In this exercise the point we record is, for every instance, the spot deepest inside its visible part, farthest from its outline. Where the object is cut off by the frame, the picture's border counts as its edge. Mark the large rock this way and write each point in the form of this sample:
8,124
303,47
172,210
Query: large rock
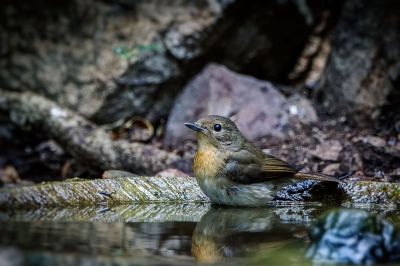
363,70
353,237
109,60
256,106
104,59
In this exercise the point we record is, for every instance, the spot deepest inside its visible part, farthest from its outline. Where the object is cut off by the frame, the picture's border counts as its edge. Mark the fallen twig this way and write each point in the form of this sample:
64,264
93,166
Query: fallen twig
81,138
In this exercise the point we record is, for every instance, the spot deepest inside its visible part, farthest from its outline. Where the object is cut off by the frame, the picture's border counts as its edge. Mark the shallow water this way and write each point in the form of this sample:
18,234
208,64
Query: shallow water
159,234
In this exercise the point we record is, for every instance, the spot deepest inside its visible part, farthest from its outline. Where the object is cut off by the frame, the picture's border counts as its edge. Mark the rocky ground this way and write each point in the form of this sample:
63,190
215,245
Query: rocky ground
307,81
286,126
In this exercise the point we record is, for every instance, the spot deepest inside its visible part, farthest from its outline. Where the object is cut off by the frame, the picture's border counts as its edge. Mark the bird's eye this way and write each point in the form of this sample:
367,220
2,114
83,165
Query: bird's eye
217,127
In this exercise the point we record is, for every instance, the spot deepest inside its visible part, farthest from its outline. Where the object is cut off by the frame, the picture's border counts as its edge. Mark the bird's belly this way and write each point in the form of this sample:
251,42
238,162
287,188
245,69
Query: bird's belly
225,192
207,167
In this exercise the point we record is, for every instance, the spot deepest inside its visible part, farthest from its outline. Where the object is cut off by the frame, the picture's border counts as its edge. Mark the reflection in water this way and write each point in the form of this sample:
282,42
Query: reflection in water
86,237
158,235
240,232
189,212
146,233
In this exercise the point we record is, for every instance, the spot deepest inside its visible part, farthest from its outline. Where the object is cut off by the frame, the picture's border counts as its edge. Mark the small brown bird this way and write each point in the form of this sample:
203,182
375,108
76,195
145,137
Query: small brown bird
232,171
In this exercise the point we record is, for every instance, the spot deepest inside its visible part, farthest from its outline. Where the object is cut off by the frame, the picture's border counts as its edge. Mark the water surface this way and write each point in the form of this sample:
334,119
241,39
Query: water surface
159,234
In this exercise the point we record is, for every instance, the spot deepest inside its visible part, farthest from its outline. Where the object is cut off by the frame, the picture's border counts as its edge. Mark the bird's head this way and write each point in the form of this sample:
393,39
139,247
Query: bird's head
219,131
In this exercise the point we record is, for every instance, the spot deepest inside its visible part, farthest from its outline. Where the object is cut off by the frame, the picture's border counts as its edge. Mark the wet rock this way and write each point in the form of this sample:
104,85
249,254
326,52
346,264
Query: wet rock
256,106
372,192
328,150
345,192
353,237
312,191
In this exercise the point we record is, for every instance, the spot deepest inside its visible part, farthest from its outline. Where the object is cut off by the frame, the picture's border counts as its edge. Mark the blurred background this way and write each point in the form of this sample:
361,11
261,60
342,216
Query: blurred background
313,82
88,86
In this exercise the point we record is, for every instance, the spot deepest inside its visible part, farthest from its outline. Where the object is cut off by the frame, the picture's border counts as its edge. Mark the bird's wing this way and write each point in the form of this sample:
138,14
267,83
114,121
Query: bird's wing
252,165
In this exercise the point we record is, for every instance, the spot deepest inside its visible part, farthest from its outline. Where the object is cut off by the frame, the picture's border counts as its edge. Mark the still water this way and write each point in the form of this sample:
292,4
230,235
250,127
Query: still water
185,234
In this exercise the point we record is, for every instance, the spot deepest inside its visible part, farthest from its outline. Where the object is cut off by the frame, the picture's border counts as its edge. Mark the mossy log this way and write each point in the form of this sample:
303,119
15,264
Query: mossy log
81,138
148,190
123,190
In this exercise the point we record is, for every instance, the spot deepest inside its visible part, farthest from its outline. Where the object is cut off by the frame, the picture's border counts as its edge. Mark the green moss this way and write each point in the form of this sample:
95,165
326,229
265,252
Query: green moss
393,191
372,192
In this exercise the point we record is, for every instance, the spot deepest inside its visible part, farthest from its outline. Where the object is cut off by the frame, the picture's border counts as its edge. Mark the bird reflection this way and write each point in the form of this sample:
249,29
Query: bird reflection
238,232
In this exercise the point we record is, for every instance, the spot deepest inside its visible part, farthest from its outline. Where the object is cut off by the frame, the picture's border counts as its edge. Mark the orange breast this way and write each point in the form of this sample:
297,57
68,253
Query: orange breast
207,163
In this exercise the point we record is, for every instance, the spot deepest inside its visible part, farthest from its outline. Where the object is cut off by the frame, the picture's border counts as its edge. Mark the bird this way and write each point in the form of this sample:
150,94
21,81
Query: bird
233,171
223,233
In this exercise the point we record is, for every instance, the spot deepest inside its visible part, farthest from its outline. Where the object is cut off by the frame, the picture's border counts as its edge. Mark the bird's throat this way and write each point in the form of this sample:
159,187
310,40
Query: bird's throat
208,161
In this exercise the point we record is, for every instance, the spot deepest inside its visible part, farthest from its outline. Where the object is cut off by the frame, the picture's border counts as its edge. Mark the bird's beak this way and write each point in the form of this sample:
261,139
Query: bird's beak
195,127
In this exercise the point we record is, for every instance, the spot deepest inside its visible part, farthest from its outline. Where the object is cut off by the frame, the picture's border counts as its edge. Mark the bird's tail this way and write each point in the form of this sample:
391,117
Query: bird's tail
315,176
